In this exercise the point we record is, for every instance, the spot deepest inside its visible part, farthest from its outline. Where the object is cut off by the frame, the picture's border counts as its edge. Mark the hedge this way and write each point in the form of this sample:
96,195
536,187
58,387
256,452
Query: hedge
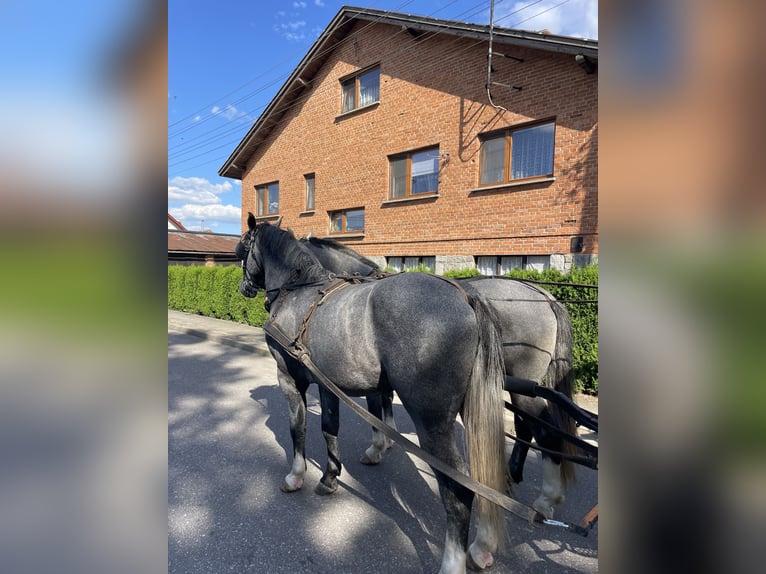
213,291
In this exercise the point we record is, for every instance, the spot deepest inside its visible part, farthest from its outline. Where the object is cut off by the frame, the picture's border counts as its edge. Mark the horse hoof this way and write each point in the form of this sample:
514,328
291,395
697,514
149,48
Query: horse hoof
545,510
291,484
369,461
323,490
472,565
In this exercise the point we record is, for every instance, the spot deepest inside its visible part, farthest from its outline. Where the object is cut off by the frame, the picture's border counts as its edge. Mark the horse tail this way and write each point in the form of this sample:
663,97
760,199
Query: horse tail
483,413
560,376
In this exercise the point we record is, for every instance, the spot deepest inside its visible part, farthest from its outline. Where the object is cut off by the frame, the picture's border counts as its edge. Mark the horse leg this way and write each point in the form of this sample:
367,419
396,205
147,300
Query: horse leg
379,405
388,414
553,487
520,450
330,425
296,401
457,500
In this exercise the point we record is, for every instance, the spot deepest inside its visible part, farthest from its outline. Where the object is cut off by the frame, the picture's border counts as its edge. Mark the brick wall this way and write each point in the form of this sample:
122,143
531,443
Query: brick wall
432,93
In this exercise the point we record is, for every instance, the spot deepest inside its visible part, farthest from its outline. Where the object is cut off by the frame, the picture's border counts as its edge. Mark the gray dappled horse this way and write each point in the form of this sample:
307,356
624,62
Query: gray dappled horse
436,345
537,345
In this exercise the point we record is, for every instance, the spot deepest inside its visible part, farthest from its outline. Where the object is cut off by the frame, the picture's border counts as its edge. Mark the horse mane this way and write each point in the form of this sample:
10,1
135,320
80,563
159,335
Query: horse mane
338,246
283,241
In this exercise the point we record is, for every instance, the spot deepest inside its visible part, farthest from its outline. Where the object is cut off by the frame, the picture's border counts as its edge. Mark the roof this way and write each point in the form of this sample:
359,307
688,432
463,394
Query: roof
199,242
175,223
338,29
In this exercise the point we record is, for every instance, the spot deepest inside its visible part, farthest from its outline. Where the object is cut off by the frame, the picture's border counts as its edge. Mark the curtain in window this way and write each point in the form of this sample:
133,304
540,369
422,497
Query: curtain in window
395,263
349,95
493,160
274,198
411,262
538,262
510,262
398,178
309,192
425,171
486,265
336,223
369,87
260,195
429,262
532,151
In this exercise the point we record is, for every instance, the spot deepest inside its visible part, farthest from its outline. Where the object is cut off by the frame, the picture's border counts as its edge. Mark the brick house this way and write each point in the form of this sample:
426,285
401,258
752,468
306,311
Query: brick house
386,137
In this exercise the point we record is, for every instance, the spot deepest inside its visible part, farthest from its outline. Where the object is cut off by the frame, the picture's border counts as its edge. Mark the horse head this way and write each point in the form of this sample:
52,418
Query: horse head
253,276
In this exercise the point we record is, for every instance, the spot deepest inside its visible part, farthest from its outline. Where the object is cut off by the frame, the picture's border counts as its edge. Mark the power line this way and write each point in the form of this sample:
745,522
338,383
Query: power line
208,139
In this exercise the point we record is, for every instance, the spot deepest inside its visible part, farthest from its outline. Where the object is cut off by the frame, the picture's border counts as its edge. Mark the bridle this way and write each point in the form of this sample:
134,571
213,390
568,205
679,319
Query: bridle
243,253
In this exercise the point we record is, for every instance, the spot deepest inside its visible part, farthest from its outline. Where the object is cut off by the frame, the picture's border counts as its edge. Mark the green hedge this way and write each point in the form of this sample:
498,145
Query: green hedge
213,292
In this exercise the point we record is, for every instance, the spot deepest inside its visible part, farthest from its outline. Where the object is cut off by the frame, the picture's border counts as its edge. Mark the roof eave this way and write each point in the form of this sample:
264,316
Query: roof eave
234,166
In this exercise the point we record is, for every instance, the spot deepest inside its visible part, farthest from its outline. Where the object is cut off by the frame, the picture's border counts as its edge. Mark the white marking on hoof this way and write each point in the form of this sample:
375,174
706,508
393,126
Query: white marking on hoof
552,492
291,483
481,562
371,456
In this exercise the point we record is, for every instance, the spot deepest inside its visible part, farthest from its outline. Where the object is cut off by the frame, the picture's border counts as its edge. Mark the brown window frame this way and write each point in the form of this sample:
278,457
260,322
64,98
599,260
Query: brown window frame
343,212
262,207
310,192
507,135
408,173
355,78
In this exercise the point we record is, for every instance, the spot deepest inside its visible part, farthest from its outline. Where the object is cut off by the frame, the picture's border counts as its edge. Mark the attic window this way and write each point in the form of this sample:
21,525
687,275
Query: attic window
360,90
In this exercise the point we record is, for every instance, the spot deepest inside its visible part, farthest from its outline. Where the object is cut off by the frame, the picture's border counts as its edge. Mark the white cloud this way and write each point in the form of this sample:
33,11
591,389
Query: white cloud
577,18
319,3
294,25
214,215
299,4
196,190
230,112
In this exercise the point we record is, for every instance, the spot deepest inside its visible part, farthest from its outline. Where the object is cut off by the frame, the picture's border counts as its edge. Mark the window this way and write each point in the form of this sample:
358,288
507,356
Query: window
347,221
360,90
502,264
414,173
517,154
410,263
310,185
267,199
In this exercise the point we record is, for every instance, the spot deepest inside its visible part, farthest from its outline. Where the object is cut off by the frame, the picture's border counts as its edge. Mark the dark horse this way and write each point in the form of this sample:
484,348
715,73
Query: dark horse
537,345
436,345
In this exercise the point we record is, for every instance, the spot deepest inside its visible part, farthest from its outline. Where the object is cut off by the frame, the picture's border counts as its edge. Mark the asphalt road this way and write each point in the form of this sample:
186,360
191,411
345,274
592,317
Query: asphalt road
228,450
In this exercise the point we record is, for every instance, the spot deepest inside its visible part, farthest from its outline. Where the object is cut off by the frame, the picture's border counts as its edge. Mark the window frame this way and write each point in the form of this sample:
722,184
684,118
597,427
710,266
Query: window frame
310,192
344,221
525,263
356,79
408,174
507,135
404,266
262,209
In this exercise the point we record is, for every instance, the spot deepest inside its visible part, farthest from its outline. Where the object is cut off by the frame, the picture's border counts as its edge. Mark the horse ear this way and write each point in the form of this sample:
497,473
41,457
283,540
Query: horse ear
279,221
250,221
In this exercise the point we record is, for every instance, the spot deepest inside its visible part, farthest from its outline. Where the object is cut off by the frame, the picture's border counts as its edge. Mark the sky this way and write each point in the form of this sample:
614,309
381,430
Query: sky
228,58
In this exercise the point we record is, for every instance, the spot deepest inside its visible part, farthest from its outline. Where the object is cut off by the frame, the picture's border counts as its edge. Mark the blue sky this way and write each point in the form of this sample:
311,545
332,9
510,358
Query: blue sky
228,58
